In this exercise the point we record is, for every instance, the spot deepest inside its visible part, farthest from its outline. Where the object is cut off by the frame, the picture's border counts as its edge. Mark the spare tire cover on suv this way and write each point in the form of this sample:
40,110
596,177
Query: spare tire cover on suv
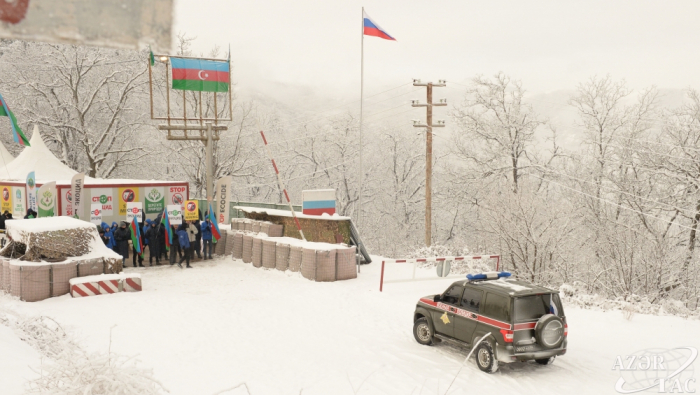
549,331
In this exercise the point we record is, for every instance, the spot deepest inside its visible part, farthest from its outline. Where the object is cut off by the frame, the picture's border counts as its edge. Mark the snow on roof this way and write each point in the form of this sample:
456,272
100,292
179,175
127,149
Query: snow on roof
39,158
285,213
508,284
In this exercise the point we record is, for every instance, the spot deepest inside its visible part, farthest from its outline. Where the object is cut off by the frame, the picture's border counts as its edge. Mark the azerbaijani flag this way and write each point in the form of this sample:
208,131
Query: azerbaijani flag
371,28
165,221
17,134
214,224
200,75
136,236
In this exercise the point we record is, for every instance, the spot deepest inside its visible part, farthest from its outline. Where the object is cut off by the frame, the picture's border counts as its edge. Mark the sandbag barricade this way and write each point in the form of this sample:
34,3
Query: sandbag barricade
220,246
282,256
256,226
269,255
247,255
257,252
229,242
6,278
265,227
295,253
105,284
276,230
237,245
31,283
346,263
62,273
308,263
248,226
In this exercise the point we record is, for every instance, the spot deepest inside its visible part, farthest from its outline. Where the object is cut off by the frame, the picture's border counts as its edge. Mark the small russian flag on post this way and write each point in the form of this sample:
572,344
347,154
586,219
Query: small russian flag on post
371,28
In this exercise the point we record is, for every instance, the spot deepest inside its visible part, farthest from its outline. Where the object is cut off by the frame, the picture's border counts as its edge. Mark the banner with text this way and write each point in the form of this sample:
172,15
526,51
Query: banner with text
19,208
222,206
76,187
175,214
103,196
191,210
127,195
155,200
96,213
133,209
47,200
6,201
31,191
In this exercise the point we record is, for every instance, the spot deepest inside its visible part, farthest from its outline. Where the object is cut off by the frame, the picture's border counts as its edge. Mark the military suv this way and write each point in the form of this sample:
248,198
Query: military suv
518,321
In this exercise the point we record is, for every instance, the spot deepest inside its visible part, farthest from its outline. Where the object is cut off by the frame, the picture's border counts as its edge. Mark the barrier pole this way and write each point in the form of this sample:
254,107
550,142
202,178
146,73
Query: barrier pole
381,279
498,262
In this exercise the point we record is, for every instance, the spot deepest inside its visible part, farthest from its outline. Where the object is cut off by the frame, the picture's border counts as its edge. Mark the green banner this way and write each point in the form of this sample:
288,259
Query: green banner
155,200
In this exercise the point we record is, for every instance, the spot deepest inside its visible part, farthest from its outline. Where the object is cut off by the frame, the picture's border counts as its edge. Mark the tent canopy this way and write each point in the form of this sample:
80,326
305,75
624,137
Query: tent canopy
38,158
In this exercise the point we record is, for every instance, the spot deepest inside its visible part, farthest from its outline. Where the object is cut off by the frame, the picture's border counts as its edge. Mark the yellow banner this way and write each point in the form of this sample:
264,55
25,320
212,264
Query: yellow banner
127,195
191,210
6,201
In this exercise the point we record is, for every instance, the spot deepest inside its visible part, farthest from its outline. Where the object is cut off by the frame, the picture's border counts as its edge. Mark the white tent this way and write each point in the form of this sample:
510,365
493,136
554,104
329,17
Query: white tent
5,159
37,157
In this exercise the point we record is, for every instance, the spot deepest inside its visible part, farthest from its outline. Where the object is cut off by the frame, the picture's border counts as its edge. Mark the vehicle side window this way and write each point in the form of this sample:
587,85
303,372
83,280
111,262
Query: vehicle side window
497,307
453,295
471,300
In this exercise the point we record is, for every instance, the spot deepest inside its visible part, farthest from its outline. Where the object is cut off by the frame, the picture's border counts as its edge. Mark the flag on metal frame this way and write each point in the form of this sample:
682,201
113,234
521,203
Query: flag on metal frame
214,224
17,133
165,221
136,240
200,75
371,28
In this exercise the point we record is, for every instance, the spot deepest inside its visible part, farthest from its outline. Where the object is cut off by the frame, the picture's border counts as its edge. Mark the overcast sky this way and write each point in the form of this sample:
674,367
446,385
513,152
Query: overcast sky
549,45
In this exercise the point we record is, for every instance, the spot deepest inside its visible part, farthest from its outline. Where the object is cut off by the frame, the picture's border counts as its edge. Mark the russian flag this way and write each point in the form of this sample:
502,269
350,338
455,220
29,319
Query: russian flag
371,28
214,224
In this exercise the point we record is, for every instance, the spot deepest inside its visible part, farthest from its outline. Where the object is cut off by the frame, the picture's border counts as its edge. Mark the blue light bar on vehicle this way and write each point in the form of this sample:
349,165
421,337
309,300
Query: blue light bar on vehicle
487,276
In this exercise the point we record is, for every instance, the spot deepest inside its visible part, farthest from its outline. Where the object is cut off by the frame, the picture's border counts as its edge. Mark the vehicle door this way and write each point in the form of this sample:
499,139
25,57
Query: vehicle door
466,317
444,315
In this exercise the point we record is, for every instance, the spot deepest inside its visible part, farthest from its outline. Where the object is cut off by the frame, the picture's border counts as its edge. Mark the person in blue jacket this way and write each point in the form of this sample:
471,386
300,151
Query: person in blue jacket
206,236
109,235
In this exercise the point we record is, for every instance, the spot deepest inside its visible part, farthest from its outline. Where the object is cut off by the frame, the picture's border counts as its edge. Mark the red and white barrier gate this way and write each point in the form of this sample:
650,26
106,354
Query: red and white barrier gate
416,261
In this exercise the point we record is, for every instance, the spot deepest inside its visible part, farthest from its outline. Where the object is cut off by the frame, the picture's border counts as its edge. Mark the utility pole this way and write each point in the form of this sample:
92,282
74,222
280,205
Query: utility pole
429,148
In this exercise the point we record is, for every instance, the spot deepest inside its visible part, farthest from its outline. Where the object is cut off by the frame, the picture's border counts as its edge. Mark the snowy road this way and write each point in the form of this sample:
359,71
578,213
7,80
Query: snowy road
223,323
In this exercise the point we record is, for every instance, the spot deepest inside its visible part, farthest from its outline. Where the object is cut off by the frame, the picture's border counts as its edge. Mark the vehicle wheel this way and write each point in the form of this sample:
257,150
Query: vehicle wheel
422,332
485,359
546,361
549,331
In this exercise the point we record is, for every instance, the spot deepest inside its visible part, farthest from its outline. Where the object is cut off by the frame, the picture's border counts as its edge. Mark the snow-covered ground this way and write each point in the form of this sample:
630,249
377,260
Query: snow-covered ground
223,323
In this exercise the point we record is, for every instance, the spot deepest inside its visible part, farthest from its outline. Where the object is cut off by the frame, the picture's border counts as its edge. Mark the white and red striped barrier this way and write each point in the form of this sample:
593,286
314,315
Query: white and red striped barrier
105,284
416,261
132,284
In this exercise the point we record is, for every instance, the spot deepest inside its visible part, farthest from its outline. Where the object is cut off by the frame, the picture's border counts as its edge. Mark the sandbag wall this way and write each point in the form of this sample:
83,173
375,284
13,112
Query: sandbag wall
315,261
249,225
35,281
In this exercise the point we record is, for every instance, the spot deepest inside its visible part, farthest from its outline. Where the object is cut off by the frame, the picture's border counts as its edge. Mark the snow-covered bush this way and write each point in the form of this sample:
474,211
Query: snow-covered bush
68,369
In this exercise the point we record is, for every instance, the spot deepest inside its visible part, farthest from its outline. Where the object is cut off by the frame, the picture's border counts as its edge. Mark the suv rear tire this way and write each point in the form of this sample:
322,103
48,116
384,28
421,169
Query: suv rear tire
422,332
485,359
549,331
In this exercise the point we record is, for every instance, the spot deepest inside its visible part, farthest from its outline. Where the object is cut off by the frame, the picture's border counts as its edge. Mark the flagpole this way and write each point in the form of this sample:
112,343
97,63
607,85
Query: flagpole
362,93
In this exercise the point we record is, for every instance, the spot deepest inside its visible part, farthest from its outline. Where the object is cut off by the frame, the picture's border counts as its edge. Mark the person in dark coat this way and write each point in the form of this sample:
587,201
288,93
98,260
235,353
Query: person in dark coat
198,240
104,238
154,240
175,250
162,246
206,237
30,214
2,220
190,231
136,254
122,237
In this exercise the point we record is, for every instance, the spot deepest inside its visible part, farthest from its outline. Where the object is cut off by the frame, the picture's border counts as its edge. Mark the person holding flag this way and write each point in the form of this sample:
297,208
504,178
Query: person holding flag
136,241
121,237
168,239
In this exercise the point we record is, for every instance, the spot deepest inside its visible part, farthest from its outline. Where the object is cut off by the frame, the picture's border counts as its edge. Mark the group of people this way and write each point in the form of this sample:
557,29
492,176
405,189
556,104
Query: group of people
5,216
186,241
